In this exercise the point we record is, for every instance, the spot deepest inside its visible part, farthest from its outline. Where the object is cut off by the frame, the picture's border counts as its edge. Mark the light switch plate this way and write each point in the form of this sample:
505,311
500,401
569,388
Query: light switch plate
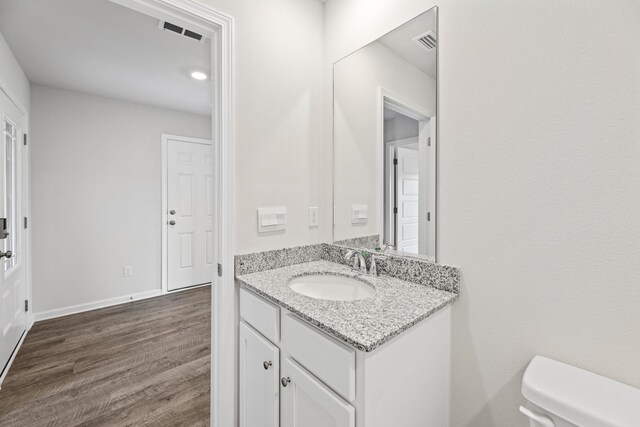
314,216
272,219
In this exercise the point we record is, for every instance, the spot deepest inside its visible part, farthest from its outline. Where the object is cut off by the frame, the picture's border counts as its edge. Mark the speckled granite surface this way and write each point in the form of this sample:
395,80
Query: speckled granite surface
365,324
260,261
369,242
411,269
421,271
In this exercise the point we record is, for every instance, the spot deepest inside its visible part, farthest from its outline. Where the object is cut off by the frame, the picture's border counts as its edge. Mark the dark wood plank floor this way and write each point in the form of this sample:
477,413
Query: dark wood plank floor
139,364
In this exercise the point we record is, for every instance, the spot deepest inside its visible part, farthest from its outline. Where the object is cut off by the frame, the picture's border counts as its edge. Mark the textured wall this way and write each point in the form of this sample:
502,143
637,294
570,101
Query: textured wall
278,113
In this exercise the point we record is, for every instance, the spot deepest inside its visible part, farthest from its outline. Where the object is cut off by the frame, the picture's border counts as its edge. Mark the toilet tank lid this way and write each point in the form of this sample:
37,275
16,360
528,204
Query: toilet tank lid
580,397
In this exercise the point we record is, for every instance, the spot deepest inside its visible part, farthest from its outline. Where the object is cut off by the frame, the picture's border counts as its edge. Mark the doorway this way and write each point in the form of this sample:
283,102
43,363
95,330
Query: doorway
407,138
402,192
217,28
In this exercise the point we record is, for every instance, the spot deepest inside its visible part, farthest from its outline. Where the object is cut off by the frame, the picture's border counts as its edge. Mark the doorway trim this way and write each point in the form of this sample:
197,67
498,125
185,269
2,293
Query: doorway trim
399,104
219,27
164,262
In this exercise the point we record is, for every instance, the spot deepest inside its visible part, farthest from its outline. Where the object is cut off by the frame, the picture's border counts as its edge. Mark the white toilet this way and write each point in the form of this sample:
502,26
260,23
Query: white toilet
561,395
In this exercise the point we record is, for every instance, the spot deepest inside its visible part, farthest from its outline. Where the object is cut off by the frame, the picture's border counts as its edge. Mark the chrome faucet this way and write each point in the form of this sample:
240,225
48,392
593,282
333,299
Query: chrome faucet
387,246
359,264
373,268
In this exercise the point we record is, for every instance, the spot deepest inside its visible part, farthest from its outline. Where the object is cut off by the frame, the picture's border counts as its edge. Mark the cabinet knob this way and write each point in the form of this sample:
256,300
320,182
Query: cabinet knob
172,222
266,364
284,381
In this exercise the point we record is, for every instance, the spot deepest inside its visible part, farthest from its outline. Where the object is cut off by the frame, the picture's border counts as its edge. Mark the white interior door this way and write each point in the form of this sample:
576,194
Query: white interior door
306,402
190,213
13,289
407,195
259,380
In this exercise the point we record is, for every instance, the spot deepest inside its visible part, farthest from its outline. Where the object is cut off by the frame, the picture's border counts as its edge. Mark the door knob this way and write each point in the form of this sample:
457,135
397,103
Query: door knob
284,381
266,364
172,222
172,211
7,254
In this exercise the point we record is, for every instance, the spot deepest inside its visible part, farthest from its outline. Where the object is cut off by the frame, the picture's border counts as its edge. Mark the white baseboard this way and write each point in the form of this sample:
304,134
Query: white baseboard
65,311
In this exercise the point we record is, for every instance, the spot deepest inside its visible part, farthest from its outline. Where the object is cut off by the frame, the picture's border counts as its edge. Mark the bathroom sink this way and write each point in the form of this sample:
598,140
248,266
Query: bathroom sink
332,287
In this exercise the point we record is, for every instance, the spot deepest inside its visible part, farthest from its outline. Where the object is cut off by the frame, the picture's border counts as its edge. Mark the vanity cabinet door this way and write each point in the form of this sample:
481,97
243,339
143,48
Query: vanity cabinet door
259,376
306,402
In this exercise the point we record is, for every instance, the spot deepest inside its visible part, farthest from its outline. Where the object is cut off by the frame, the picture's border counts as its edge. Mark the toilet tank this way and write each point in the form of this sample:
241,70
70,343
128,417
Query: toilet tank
563,395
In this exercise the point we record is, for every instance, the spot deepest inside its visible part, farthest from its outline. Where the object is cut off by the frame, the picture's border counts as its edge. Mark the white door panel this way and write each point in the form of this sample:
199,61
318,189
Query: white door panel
189,197
407,194
410,165
306,402
13,291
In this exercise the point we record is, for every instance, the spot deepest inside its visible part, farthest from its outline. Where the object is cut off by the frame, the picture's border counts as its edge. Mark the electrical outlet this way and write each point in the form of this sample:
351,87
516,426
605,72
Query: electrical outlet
314,216
127,271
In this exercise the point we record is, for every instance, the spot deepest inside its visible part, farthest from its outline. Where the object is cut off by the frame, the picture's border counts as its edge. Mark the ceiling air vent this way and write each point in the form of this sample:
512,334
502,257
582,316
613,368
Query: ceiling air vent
426,41
182,31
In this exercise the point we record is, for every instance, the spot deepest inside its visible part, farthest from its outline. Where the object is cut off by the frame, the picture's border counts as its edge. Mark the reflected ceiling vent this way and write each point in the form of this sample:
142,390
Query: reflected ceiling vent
182,31
426,41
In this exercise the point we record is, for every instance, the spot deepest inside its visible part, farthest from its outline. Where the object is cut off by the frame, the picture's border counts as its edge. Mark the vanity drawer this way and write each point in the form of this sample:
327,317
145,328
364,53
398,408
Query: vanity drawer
260,314
329,360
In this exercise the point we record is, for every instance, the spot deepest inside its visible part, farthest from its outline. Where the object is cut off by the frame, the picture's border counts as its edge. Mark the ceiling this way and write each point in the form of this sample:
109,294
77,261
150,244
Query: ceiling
401,42
99,47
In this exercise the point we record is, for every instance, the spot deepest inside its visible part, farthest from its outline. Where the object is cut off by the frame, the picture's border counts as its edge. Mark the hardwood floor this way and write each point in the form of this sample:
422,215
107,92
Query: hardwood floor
145,363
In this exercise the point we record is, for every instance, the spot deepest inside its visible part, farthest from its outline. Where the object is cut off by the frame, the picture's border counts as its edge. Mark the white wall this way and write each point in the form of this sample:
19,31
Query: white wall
96,180
400,128
539,184
278,113
12,78
358,157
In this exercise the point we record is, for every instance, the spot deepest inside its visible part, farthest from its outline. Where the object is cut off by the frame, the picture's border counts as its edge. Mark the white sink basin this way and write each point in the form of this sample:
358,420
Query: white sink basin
332,287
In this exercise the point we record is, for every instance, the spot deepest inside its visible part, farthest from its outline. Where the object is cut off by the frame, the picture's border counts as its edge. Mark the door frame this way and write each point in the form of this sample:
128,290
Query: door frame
25,209
164,263
399,104
219,27
389,188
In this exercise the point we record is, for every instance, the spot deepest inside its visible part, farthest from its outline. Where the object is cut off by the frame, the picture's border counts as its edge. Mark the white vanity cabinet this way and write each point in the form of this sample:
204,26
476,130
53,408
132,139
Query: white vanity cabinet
306,402
259,375
313,380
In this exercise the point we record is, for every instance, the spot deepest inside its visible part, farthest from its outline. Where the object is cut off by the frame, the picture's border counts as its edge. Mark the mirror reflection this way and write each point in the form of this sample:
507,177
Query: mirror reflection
385,142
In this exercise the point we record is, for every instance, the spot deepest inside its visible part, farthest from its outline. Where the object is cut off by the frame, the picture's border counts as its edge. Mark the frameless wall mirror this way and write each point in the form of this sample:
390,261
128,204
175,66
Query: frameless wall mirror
385,155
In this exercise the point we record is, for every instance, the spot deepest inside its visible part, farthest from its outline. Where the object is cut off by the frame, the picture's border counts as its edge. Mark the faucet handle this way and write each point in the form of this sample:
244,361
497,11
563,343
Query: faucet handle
356,258
350,253
387,246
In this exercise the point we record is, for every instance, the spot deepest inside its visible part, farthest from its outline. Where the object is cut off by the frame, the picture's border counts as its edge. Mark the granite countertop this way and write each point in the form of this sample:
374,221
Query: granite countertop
365,324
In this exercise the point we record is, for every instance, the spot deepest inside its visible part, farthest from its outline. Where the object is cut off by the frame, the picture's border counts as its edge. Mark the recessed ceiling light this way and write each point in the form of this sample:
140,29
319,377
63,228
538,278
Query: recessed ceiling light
199,75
